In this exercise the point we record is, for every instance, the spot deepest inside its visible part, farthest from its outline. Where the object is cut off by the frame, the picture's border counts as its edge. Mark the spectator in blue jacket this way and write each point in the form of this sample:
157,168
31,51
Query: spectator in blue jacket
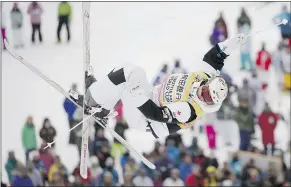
70,109
185,167
285,29
21,177
235,165
109,167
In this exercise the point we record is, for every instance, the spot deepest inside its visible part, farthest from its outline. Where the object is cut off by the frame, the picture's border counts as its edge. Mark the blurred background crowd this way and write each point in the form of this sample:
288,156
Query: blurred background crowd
245,111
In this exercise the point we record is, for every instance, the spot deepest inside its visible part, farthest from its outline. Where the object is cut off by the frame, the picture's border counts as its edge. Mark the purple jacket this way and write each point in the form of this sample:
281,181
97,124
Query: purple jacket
35,11
217,36
46,158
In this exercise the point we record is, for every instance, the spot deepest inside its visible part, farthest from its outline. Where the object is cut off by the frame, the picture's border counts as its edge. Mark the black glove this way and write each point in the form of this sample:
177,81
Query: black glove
215,57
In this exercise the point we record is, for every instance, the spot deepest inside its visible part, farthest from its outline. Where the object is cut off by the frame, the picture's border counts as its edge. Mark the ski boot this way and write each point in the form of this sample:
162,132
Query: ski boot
89,77
98,111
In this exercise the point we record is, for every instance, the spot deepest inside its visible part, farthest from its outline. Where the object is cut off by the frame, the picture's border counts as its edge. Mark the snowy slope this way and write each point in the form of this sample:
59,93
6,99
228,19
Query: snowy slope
142,33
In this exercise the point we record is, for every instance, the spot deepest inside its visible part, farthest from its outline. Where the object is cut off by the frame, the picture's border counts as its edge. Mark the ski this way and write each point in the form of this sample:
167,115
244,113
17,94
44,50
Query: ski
102,123
86,63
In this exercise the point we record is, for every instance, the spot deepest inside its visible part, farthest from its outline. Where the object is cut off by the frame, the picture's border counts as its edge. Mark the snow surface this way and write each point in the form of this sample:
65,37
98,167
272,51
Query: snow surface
142,33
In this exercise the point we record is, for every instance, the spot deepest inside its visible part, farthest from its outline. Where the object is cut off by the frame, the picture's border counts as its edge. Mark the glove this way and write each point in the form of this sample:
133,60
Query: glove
167,114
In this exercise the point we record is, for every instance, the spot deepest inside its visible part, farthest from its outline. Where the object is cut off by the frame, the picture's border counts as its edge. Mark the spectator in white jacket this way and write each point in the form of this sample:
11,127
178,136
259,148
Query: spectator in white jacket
16,24
174,179
142,179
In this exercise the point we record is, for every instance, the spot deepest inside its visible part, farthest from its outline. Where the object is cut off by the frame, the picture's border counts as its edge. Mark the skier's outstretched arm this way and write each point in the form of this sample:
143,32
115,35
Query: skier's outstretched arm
217,54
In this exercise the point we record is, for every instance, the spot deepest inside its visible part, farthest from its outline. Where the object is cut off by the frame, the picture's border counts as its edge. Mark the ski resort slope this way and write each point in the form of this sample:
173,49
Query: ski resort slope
145,34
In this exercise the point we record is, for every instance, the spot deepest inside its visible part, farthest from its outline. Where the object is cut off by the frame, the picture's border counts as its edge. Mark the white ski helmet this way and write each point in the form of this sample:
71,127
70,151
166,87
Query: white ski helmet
218,89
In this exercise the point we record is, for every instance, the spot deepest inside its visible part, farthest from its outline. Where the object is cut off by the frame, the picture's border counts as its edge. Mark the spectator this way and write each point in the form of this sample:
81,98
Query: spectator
76,173
185,167
64,174
95,170
251,175
99,141
141,179
195,179
162,75
211,178
57,179
235,165
131,166
3,28
177,67
212,161
29,136
38,164
107,179
35,12
194,149
243,19
268,121
10,165
21,177
221,21
174,179
201,160
285,62
47,132
78,182
245,121
285,29
271,176
103,155
17,21
225,172
109,163
34,174
244,26
120,128
71,110
218,34
246,93
46,157
164,164
157,179
173,151
127,180
54,168
157,147
177,138
64,15
257,87
263,62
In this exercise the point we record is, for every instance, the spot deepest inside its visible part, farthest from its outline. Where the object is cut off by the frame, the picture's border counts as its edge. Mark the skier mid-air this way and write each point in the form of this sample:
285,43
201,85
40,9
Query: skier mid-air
175,104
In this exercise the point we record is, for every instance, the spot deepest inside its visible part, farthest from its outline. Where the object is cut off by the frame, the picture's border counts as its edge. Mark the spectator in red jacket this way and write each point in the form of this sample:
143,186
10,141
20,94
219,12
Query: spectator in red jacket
195,178
264,58
268,121
263,62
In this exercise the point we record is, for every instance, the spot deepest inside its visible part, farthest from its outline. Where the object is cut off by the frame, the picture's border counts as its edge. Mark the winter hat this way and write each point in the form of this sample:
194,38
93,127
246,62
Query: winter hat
210,169
109,162
94,160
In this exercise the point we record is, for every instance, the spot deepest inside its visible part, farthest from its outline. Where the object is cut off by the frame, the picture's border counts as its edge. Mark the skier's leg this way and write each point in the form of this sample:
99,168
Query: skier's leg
108,91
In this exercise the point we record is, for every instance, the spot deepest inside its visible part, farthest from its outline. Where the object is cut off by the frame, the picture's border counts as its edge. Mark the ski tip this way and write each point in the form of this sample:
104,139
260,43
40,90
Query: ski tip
83,175
148,163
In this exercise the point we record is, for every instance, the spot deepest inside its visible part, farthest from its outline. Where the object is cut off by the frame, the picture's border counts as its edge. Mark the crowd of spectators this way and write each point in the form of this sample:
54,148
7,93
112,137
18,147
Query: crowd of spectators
34,11
176,163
